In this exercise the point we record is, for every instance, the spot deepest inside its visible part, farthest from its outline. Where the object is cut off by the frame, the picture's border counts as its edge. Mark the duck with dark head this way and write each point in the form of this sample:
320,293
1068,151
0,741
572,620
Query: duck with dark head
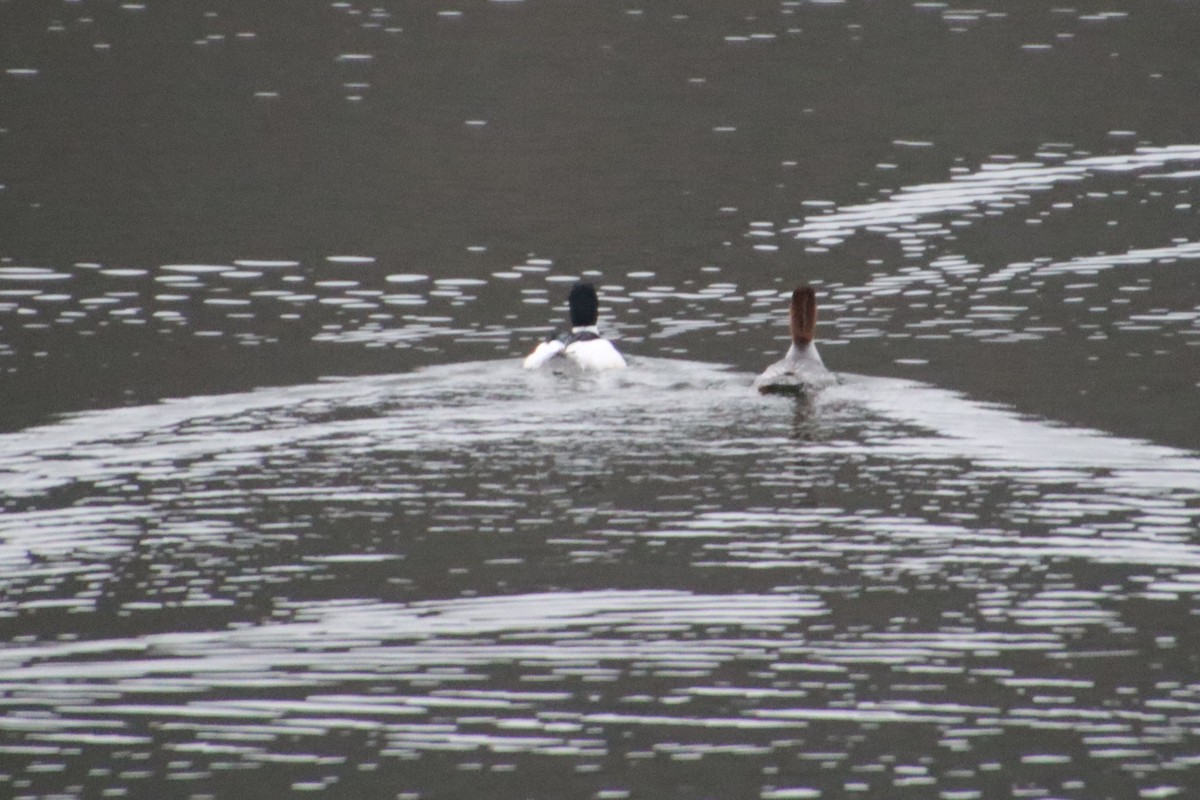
583,345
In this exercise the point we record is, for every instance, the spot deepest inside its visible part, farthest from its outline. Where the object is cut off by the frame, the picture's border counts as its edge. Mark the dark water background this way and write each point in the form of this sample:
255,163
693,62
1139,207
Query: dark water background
282,515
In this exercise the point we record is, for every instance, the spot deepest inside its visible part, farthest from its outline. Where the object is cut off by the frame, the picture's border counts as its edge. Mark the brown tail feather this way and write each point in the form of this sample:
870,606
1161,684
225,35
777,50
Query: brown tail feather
804,315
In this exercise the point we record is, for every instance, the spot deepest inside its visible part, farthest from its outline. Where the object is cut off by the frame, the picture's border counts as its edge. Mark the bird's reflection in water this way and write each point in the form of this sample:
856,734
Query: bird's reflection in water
807,411
807,419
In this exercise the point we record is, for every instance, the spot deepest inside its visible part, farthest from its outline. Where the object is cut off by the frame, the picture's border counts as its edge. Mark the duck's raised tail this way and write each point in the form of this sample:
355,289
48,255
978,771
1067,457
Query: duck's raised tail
803,315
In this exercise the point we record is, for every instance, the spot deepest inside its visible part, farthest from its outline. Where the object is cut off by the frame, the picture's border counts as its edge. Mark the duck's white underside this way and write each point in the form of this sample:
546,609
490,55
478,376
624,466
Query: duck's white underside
592,355
800,368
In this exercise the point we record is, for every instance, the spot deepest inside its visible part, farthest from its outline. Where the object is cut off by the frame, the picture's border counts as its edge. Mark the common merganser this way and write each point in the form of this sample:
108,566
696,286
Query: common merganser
583,345
800,371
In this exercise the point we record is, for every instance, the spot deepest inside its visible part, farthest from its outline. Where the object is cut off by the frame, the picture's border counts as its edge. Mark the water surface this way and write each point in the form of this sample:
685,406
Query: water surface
279,508
678,588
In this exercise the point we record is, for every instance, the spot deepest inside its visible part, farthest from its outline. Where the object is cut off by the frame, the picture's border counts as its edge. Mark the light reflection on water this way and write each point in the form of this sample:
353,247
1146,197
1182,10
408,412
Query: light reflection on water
938,293
895,589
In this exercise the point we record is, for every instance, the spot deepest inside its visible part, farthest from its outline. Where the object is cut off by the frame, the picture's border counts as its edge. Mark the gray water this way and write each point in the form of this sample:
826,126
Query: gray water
282,515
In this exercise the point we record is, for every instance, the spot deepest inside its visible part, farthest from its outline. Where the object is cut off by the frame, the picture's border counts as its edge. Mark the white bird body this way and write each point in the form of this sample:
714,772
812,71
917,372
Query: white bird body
801,370
583,347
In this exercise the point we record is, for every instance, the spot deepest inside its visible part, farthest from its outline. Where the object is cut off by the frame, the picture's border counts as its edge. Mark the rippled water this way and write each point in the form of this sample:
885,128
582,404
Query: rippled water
679,587
280,508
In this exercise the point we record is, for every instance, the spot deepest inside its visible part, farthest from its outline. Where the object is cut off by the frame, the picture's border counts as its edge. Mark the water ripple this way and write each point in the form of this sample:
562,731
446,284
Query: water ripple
867,563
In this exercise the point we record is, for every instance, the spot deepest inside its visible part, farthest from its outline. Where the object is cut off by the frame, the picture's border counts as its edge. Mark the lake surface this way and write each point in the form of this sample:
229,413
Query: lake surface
281,512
